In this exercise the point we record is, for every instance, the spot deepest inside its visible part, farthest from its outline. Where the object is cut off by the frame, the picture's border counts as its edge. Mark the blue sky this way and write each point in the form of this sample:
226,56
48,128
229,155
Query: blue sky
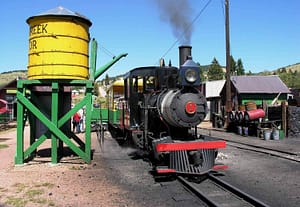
264,34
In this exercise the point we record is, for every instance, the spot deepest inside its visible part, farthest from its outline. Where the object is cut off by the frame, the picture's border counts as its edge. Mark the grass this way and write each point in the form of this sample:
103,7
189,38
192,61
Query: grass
2,146
33,193
47,185
19,187
15,201
38,200
33,196
27,195
80,167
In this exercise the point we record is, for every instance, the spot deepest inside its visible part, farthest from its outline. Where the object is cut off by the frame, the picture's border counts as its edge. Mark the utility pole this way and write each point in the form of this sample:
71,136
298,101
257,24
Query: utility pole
228,82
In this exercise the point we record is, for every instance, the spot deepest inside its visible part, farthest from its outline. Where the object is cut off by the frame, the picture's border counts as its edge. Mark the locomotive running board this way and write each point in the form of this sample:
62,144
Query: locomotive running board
165,169
168,147
220,167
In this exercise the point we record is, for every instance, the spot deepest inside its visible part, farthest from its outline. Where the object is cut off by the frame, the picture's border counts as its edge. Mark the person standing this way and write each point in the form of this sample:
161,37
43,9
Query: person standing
76,120
81,121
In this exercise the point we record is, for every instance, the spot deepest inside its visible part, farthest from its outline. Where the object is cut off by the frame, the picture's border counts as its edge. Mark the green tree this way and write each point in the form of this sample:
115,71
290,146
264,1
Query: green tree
215,71
297,80
290,78
233,67
294,79
239,67
249,73
282,70
202,76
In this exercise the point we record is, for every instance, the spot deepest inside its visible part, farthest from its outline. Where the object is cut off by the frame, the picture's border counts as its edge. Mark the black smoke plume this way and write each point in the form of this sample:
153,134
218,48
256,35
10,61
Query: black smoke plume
178,14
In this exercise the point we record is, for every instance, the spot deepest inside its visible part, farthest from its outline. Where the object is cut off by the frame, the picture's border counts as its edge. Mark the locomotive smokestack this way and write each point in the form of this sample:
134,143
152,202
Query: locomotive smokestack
185,52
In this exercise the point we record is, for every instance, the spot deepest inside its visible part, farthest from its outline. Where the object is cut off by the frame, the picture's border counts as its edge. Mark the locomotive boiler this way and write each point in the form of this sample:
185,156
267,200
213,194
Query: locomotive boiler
158,109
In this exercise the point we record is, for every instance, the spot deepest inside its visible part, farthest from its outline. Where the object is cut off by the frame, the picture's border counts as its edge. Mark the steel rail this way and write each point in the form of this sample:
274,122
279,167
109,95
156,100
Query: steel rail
276,153
197,192
261,147
292,156
226,186
237,192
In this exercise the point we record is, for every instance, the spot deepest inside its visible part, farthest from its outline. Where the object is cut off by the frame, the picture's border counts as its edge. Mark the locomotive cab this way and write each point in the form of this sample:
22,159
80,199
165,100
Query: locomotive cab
141,82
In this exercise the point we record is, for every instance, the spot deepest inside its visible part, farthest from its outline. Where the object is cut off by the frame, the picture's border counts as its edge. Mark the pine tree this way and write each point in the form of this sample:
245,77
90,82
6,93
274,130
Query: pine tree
233,68
239,67
249,73
215,71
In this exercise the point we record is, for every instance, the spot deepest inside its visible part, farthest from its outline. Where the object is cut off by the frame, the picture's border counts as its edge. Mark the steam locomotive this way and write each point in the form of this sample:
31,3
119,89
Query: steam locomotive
158,110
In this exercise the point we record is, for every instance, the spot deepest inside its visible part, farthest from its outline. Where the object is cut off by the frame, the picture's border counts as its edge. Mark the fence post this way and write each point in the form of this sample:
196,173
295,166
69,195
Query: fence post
284,117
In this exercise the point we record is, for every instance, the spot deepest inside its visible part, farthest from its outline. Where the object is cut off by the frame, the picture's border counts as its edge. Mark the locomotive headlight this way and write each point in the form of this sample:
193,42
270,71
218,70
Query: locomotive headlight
190,75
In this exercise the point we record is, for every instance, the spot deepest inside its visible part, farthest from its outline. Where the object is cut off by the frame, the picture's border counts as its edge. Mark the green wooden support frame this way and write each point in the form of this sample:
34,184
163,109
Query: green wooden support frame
27,104
54,124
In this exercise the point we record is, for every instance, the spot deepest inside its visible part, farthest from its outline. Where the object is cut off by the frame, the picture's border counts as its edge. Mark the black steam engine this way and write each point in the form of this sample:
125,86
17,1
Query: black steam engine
161,109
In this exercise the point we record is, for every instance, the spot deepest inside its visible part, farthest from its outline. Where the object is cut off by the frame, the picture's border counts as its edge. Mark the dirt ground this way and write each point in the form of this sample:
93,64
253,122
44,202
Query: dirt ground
115,180
267,178
69,183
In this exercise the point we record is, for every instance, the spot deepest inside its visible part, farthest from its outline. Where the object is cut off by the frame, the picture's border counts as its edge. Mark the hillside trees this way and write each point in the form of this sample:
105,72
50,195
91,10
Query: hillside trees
240,67
236,68
215,71
289,77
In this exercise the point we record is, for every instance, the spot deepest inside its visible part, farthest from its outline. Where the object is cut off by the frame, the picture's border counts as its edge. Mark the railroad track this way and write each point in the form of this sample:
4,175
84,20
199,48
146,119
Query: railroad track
216,192
277,153
260,149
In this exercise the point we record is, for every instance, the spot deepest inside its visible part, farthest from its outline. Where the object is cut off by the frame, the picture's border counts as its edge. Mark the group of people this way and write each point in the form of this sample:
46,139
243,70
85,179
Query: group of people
78,122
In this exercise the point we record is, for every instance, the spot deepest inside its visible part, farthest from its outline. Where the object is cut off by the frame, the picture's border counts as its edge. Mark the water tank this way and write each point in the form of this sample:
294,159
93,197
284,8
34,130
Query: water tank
58,45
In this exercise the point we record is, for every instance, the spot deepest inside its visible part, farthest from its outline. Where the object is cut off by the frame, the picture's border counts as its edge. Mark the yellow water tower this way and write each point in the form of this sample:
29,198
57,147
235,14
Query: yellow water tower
58,45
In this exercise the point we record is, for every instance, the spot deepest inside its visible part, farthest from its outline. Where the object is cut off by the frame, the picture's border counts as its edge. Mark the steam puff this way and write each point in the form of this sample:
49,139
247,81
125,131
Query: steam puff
178,14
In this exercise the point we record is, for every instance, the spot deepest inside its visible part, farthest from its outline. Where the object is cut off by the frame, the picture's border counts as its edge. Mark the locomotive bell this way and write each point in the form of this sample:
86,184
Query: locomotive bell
189,74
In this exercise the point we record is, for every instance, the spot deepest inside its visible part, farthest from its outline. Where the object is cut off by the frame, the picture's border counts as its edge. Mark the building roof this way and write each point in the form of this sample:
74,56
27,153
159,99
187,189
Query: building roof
213,88
259,84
